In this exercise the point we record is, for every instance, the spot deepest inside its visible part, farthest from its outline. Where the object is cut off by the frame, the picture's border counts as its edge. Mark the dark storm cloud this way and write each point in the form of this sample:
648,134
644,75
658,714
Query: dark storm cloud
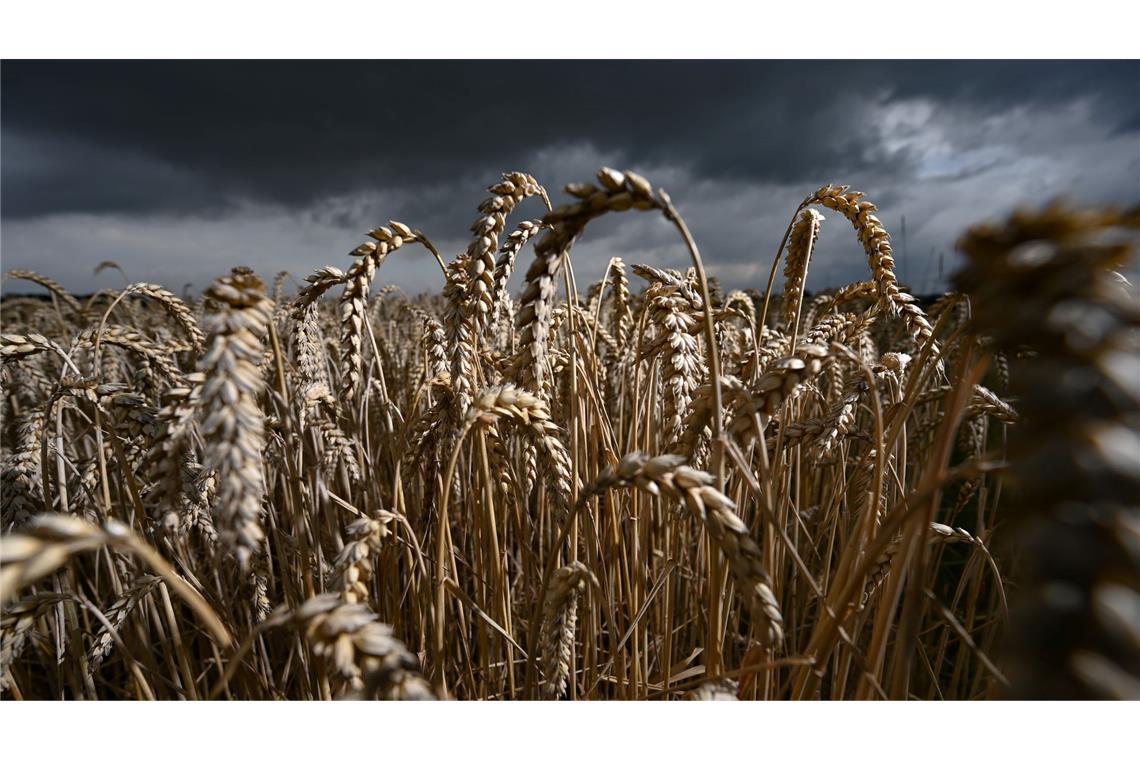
176,168
194,136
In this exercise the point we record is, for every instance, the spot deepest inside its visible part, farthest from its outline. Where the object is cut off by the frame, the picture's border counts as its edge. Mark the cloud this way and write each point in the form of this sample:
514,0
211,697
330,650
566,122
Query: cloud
48,173
178,170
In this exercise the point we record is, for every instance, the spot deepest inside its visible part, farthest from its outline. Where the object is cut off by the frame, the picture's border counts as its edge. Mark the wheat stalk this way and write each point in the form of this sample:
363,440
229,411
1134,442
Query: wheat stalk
174,306
876,243
561,617
804,233
363,651
354,299
229,412
1077,505
618,192
505,264
54,539
531,413
717,512
480,255
57,290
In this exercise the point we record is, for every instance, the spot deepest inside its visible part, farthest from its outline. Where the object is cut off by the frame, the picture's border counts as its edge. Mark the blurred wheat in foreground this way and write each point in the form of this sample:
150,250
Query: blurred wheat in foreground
640,488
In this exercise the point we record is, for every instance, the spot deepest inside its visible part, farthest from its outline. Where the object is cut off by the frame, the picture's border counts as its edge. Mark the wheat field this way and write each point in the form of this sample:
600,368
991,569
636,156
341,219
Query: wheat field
641,488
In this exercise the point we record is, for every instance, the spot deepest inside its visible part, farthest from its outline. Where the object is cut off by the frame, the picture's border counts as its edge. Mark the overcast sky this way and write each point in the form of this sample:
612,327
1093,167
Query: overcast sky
180,170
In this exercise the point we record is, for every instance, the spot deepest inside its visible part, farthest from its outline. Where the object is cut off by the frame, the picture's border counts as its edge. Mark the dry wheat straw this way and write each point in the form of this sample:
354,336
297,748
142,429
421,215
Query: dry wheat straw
718,514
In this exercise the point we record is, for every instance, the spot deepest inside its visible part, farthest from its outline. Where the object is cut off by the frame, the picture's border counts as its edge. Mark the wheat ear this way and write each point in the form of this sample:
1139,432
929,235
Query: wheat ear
51,285
668,473
229,412
801,242
1043,281
877,245
561,618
